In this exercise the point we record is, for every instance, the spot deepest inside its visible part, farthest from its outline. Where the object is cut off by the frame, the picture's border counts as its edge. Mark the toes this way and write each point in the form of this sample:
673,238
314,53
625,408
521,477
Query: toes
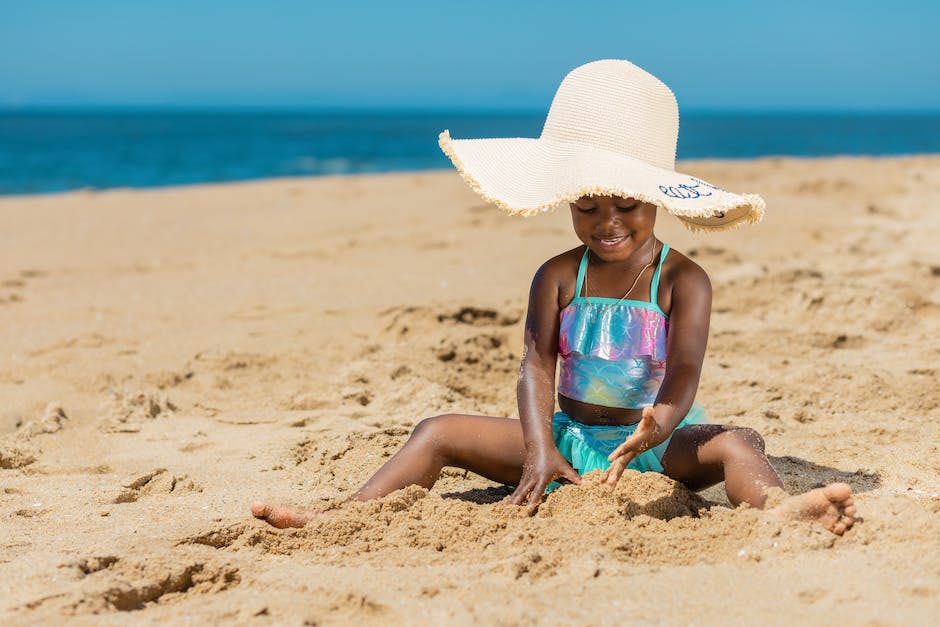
831,506
279,517
838,492
260,510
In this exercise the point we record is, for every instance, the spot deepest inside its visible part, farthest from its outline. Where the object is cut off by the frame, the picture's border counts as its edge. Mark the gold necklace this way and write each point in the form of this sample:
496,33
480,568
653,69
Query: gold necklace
635,281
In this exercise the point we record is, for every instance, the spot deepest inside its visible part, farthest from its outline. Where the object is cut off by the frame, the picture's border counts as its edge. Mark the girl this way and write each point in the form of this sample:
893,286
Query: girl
626,316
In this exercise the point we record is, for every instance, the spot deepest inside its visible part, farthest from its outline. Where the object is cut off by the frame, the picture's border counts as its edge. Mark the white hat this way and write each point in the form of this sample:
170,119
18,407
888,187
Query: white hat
611,131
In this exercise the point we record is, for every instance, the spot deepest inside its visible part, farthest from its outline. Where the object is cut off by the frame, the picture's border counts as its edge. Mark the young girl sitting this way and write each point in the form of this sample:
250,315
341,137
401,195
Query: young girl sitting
626,316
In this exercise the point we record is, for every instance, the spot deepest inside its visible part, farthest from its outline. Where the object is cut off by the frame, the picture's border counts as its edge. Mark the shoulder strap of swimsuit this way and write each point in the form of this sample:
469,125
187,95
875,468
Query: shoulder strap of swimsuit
581,270
654,286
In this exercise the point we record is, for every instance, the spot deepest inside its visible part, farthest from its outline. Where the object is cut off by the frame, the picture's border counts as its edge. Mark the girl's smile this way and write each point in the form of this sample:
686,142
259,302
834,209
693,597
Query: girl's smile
612,243
614,228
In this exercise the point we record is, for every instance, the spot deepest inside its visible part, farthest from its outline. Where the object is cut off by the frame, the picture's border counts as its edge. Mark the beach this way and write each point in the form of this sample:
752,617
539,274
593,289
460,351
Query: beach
171,354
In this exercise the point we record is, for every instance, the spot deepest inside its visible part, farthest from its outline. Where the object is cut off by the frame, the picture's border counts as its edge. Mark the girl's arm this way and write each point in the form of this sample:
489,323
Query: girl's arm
535,391
685,350
689,318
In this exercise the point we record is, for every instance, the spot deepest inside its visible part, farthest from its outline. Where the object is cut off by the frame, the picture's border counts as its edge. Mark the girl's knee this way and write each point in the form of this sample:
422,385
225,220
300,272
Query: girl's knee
436,436
434,427
750,437
744,437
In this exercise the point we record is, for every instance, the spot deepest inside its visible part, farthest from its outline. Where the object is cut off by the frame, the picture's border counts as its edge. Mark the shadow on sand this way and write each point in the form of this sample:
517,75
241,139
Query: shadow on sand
481,496
798,475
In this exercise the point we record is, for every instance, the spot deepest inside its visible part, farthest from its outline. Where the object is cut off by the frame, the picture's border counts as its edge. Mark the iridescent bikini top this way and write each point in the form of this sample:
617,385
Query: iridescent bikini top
613,352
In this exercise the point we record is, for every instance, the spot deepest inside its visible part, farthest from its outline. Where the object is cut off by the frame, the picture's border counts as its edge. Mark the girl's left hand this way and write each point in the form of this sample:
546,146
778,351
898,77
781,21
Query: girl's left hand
641,440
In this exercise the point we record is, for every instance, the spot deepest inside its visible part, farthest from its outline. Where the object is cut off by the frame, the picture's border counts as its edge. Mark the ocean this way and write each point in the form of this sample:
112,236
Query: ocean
43,152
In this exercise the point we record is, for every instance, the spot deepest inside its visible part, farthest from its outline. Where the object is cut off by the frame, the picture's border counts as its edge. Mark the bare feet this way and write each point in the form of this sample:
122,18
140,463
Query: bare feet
280,516
831,506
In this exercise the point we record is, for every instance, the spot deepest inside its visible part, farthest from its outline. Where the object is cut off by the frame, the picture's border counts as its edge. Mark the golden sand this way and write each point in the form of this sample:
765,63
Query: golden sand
169,355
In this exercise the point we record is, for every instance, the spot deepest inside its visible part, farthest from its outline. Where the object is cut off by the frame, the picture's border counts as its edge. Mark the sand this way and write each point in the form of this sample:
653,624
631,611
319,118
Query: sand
169,355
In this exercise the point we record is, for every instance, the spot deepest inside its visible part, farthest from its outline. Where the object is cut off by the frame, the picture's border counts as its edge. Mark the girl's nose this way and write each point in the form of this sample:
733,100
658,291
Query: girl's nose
611,216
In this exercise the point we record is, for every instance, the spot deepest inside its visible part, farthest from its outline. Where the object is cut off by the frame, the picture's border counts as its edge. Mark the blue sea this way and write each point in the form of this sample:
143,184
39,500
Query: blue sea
57,151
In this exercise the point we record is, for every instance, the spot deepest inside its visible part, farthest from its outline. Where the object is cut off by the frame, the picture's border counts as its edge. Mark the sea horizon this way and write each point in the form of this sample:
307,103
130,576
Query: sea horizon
57,149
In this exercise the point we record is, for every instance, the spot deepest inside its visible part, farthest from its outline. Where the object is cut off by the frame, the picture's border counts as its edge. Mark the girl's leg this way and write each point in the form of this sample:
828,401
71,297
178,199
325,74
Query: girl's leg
491,447
703,455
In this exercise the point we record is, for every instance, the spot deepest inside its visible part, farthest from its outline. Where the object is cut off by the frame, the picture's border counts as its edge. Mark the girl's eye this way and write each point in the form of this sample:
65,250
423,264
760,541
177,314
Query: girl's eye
586,209
626,208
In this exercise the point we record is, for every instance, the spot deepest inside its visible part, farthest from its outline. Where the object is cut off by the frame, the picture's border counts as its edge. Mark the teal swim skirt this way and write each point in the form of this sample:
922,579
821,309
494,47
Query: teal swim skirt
586,447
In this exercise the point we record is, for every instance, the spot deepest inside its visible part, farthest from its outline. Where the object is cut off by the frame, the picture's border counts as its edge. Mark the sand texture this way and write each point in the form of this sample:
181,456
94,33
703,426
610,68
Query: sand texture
169,355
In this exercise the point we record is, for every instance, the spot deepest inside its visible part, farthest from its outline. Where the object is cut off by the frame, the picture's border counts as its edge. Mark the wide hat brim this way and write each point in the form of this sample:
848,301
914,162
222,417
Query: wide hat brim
525,176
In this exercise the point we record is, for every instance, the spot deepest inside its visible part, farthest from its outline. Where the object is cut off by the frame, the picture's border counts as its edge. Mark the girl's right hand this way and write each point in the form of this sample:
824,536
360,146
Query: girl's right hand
541,467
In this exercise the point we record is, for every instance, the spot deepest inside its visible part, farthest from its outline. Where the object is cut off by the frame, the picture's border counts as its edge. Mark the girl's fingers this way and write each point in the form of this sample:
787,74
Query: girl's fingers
644,429
535,498
529,493
628,445
613,473
617,467
520,493
572,475
523,495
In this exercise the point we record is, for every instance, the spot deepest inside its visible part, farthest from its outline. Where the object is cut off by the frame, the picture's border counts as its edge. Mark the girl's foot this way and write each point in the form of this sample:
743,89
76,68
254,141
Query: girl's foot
831,506
280,516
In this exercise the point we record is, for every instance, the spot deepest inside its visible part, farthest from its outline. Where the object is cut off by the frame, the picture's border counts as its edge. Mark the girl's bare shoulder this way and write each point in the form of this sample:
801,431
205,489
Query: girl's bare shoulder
681,276
564,264
561,273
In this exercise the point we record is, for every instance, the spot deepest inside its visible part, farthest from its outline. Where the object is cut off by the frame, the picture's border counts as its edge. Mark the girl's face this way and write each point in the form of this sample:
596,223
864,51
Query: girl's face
613,227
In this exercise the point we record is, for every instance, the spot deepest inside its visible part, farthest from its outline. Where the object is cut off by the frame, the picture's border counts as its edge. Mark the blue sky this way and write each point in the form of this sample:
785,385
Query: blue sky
823,55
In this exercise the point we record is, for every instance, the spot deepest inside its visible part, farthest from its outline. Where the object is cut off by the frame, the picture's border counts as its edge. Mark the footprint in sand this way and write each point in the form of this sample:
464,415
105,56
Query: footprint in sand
16,455
156,482
17,449
52,421
128,411
118,584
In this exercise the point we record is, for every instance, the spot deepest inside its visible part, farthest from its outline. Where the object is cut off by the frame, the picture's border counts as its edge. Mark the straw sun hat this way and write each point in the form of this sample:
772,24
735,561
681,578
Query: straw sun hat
611,131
